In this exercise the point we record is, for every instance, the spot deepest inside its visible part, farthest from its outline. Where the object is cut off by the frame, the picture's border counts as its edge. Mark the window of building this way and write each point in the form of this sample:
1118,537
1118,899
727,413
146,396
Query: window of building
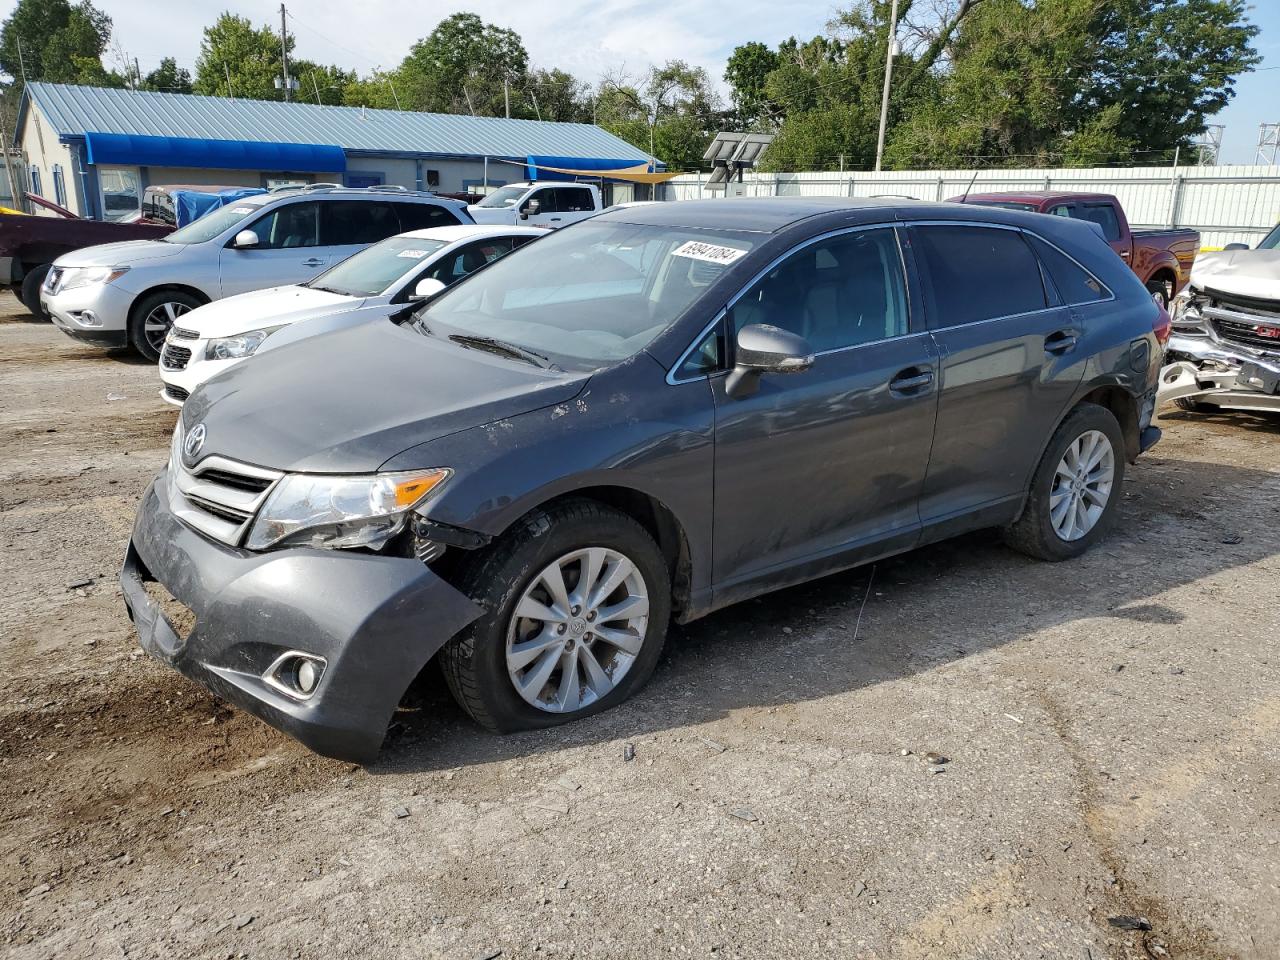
433,178
978,273
35,181
120,189
59,186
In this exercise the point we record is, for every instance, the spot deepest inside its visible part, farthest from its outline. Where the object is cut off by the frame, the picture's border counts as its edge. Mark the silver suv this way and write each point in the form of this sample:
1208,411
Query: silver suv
128,294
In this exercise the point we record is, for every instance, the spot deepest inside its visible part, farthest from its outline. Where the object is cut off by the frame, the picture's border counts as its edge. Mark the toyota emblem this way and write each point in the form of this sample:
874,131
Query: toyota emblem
195,440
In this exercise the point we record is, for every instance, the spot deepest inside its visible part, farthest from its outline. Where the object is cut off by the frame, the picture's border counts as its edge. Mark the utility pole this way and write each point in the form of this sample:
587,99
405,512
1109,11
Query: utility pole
890,50
22,64
284,51
227,70
506,96
394,96
137,74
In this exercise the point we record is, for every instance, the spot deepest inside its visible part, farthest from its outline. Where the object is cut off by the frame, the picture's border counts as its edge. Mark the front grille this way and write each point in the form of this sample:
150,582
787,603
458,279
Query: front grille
175,357
1260,336
1249,321
181,333
176,393
218,497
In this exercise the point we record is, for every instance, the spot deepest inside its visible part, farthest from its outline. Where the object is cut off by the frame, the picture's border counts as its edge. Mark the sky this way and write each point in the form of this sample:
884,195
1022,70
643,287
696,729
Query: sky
589,38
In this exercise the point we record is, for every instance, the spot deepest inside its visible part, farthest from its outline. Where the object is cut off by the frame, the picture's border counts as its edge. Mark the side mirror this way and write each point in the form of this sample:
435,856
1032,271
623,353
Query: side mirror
427,288
245,240
530,209
1236,246
762,349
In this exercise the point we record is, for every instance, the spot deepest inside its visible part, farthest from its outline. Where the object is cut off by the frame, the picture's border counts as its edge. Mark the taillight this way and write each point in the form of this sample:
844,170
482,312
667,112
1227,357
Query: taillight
1162,325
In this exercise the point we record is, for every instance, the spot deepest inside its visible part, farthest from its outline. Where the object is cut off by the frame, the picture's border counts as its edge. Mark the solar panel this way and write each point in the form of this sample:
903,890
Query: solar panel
730,153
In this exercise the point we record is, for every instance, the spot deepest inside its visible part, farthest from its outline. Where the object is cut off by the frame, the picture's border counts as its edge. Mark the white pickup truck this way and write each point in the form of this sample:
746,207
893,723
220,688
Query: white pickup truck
548,205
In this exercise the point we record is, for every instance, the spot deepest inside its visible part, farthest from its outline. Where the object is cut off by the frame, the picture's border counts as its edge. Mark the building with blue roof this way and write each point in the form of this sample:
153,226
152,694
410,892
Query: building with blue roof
95,150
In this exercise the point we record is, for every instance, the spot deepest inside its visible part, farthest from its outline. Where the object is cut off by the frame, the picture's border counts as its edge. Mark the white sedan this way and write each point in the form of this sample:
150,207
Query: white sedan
218,335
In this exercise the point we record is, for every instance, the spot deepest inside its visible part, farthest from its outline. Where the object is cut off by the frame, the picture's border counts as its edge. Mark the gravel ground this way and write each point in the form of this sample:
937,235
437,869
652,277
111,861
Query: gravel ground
1111,727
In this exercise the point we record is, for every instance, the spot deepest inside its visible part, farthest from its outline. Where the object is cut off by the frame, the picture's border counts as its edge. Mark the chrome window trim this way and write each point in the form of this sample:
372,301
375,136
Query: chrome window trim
746,288
1082,303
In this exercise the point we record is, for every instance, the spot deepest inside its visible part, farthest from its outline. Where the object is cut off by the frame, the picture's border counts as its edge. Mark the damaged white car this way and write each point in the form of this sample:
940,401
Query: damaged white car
1225,349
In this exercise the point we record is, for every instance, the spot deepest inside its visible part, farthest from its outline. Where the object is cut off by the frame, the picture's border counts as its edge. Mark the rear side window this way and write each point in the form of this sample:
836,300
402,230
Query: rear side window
348,223
1074,283
422,216
575,200
978,273
1103,214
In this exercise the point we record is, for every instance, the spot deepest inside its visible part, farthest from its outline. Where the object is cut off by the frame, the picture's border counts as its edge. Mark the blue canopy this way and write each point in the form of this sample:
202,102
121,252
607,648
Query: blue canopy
194,204
122,148
574,163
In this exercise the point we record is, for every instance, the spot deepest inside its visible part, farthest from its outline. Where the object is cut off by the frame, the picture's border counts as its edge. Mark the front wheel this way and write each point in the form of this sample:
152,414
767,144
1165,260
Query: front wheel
30,290
576,601
153,315
1159,291
1075,488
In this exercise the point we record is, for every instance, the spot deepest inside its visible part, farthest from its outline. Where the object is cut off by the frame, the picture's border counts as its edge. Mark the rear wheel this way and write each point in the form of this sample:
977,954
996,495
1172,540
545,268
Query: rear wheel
1159,291
31,285
1075,488
153,315
576,600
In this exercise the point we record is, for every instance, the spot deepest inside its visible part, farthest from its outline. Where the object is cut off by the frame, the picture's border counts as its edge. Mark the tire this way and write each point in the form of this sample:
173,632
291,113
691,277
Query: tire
1194,406
475,663
1159,291
1037,532
30,295
161,305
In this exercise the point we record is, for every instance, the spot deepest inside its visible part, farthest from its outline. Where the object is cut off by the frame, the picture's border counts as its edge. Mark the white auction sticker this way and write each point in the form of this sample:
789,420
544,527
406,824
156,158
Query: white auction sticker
242,209
412,254
697,250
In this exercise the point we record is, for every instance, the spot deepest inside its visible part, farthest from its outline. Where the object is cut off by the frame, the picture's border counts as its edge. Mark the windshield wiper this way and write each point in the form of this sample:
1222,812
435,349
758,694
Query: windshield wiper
501,347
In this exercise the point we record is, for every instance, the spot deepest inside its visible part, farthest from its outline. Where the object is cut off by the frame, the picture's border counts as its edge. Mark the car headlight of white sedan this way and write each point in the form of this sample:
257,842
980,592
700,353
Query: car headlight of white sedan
239,346
341,511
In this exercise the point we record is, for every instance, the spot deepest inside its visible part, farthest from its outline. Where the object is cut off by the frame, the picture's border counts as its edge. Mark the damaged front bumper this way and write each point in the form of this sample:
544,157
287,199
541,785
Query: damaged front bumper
1212,372
372,622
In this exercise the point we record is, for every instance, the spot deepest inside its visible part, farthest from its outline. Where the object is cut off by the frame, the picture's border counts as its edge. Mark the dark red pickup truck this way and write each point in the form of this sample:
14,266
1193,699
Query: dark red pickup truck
1161,258
29,244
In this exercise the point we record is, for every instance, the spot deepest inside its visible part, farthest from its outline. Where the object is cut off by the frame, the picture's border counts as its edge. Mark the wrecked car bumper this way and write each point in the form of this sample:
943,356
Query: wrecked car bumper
371,623
1209,371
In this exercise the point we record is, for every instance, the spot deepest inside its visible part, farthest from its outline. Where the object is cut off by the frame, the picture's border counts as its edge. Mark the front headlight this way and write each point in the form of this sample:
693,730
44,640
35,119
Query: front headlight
1187,306
74,277
241,345
339,511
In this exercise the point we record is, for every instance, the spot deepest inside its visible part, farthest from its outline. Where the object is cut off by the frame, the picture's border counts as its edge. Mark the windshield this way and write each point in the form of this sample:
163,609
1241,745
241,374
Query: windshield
371,271
1272,240
504,197
590,295
212,223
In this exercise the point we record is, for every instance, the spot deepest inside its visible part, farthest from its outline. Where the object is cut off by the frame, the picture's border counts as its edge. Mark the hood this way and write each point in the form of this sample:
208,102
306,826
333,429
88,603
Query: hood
1244,273
500,215
124,253
349,401
273,307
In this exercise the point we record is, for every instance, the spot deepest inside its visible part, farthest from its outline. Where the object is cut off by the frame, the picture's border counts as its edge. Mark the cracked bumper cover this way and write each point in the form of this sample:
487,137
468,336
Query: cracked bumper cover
375,620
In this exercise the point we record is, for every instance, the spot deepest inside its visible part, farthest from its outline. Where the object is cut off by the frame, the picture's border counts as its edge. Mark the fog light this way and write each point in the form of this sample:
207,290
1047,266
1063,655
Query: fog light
295,673
308,674
89,318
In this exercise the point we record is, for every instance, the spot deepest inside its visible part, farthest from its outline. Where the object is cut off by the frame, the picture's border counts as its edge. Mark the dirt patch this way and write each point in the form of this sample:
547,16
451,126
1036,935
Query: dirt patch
1110,725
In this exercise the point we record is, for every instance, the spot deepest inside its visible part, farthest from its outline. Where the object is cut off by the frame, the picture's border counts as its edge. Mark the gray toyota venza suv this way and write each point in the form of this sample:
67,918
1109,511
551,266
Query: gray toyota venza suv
645,416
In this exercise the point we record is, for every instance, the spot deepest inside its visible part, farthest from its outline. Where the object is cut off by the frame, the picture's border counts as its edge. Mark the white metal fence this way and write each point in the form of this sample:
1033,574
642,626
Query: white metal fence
1235,204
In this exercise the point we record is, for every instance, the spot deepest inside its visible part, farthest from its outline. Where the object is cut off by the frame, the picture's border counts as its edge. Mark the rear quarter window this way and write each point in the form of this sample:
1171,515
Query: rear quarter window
1074,283
977,273
421,216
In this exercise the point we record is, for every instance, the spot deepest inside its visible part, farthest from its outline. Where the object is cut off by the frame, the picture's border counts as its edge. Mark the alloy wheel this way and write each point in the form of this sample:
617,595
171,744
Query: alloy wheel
577,629
159,320
1082,485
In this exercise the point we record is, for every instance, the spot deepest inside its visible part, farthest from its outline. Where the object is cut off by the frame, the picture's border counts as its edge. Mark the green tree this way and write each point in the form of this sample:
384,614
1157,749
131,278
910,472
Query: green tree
746,72
461,66
168,78
672,113
238,59
56,41
556,95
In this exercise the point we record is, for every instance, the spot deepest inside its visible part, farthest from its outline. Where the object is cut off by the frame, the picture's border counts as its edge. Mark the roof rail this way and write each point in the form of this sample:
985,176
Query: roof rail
389,188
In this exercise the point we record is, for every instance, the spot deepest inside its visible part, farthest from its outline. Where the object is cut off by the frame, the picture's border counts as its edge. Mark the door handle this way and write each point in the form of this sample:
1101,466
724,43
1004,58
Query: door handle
911,382
313,262
556,219
1060,342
